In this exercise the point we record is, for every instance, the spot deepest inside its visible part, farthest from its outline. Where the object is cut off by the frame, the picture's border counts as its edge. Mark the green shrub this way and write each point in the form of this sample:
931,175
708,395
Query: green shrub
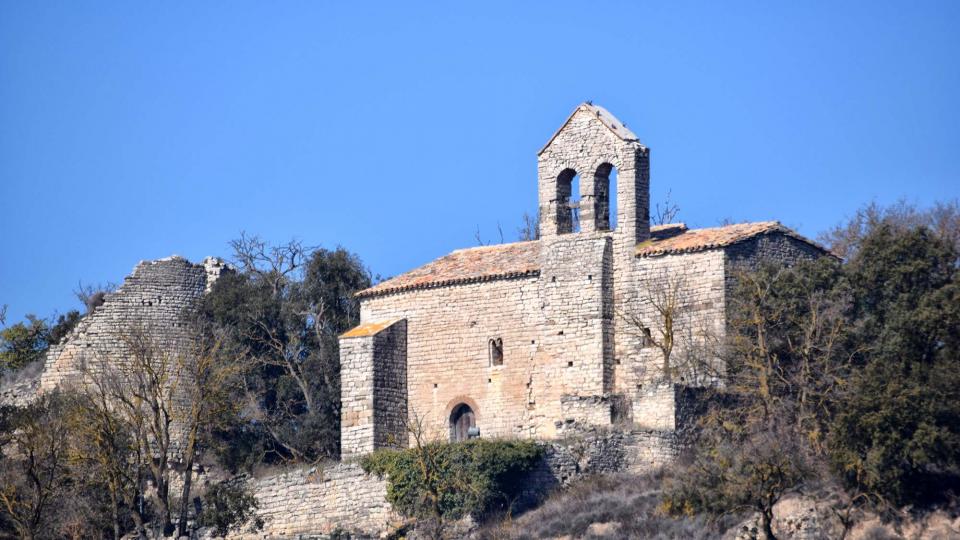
23,343
448,481
227,506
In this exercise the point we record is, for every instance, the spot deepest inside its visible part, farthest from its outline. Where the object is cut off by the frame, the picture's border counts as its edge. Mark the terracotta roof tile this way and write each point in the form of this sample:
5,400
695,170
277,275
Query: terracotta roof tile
676,238
504,261
483,263
368,329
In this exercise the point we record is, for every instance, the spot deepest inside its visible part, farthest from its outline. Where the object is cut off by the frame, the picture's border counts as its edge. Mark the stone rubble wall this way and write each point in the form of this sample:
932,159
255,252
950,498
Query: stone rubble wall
590,450
320,500
583,449
315,501
20,391
158,299
768,248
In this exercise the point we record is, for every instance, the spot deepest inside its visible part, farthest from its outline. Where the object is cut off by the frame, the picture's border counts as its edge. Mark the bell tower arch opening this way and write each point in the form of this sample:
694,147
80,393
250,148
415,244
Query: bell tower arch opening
615,179
568,202
605,197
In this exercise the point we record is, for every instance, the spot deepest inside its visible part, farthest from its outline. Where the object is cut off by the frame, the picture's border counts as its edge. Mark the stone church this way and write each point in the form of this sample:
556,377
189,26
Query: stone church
530,338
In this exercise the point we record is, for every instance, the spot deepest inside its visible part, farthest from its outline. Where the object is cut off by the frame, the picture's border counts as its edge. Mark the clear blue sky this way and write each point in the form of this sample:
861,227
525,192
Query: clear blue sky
132,130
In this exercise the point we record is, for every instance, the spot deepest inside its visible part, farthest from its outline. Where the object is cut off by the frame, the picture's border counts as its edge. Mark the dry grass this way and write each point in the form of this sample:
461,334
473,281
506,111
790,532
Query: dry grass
622,506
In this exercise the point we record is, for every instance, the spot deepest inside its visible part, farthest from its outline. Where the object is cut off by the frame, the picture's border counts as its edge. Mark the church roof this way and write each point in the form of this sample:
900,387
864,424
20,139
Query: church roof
676,238
484,263
522,259
606,118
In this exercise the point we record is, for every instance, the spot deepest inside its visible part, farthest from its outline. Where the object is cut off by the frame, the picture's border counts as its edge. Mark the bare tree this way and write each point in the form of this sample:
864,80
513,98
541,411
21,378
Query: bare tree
205,401
106,445
280,267
665,213
93,295
277,265
789,356
943,219
481,242
141,384
32,482
529,228
139,410
667,319
3,314
428,461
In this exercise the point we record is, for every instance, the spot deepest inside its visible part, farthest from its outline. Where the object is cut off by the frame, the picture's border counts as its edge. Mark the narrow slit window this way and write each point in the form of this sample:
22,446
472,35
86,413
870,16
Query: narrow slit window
496,352
647,340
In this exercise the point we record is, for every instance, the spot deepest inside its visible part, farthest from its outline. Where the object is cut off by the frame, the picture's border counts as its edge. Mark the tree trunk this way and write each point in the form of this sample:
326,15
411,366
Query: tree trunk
185,497
115,511
767,521
187,481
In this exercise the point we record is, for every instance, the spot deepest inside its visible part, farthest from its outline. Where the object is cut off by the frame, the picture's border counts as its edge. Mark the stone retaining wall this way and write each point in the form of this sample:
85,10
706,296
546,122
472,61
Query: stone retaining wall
320,500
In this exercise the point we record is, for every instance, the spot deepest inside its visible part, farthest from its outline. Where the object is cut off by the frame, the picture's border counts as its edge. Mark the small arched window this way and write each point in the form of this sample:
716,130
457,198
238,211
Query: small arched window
496,351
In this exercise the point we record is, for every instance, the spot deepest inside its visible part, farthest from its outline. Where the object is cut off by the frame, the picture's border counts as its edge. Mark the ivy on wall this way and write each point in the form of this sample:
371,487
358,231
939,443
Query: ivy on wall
447,481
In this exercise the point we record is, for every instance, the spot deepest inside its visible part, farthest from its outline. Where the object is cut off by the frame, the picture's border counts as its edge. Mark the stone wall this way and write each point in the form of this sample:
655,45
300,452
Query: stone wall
590,450
320,500
373,388
577,307
772,247
448,356
696,283
557,336
157,298
593,448
19,391
152,307
390,386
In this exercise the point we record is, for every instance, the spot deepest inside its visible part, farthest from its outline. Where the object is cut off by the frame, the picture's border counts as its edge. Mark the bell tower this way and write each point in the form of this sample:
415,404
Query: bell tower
591,144
588,272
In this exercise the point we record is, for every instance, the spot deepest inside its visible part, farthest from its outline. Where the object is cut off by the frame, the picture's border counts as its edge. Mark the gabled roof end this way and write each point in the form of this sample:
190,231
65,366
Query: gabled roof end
611,122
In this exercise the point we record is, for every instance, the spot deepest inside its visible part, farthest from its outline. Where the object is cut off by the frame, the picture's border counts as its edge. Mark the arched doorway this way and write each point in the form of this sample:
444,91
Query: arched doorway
461,420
